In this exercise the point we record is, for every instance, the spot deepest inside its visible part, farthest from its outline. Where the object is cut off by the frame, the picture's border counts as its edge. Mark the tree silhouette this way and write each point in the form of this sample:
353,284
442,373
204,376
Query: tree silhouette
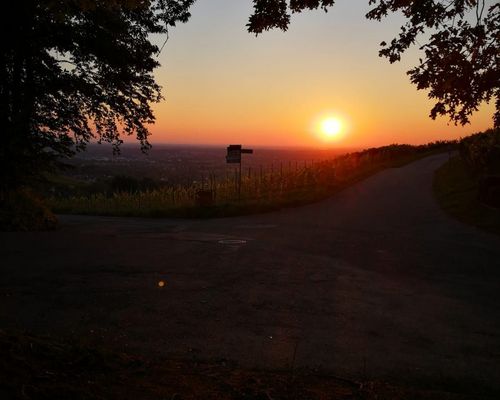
71,70
461,63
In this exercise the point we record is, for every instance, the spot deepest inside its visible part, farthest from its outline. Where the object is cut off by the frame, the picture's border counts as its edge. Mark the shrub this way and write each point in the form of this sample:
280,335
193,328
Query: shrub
481,152
22,210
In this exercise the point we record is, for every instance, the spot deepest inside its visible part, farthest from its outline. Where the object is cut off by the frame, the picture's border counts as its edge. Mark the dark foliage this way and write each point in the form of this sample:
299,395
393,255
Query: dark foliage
23,210
71,70
269,14
461,64
481,152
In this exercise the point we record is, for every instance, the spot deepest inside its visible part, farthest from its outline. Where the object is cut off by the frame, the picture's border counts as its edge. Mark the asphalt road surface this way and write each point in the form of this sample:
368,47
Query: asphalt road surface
374,283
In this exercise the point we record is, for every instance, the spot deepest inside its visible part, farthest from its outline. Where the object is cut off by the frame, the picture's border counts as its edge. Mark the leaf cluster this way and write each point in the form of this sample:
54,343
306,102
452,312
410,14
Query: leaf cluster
270,14
461,63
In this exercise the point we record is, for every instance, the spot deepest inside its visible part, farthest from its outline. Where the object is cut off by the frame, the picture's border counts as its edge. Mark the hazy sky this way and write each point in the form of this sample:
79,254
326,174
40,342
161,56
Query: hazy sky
223,85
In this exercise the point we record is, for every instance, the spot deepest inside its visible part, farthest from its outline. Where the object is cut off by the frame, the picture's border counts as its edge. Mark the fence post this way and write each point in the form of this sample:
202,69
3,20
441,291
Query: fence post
236,180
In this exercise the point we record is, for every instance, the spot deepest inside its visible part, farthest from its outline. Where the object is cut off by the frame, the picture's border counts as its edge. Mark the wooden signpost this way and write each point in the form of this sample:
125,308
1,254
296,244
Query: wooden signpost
234,152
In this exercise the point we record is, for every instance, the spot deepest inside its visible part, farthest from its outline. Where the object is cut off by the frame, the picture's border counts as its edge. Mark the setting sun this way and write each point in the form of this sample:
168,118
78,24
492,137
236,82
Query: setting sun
331,127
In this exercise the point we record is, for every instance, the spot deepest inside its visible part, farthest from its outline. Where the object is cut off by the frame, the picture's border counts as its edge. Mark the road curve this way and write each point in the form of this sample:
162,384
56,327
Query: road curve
373,283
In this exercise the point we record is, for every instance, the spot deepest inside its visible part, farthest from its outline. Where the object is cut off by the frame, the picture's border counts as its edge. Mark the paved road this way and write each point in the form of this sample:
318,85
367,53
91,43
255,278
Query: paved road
375,282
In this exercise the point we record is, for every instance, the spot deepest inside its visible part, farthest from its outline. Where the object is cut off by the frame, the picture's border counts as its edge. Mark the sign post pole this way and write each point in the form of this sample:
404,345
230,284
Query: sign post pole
239,184
234,152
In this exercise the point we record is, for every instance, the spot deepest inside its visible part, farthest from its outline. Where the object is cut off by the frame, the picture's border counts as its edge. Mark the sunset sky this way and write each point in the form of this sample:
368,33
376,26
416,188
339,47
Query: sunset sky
223,85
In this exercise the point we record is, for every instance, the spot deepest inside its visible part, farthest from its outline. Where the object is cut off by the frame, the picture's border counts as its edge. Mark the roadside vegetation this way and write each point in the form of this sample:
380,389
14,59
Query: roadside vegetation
23,209
218,196
468,185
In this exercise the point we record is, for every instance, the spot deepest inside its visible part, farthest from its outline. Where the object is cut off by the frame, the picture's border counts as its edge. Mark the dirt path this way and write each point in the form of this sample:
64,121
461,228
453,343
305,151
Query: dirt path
374,283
